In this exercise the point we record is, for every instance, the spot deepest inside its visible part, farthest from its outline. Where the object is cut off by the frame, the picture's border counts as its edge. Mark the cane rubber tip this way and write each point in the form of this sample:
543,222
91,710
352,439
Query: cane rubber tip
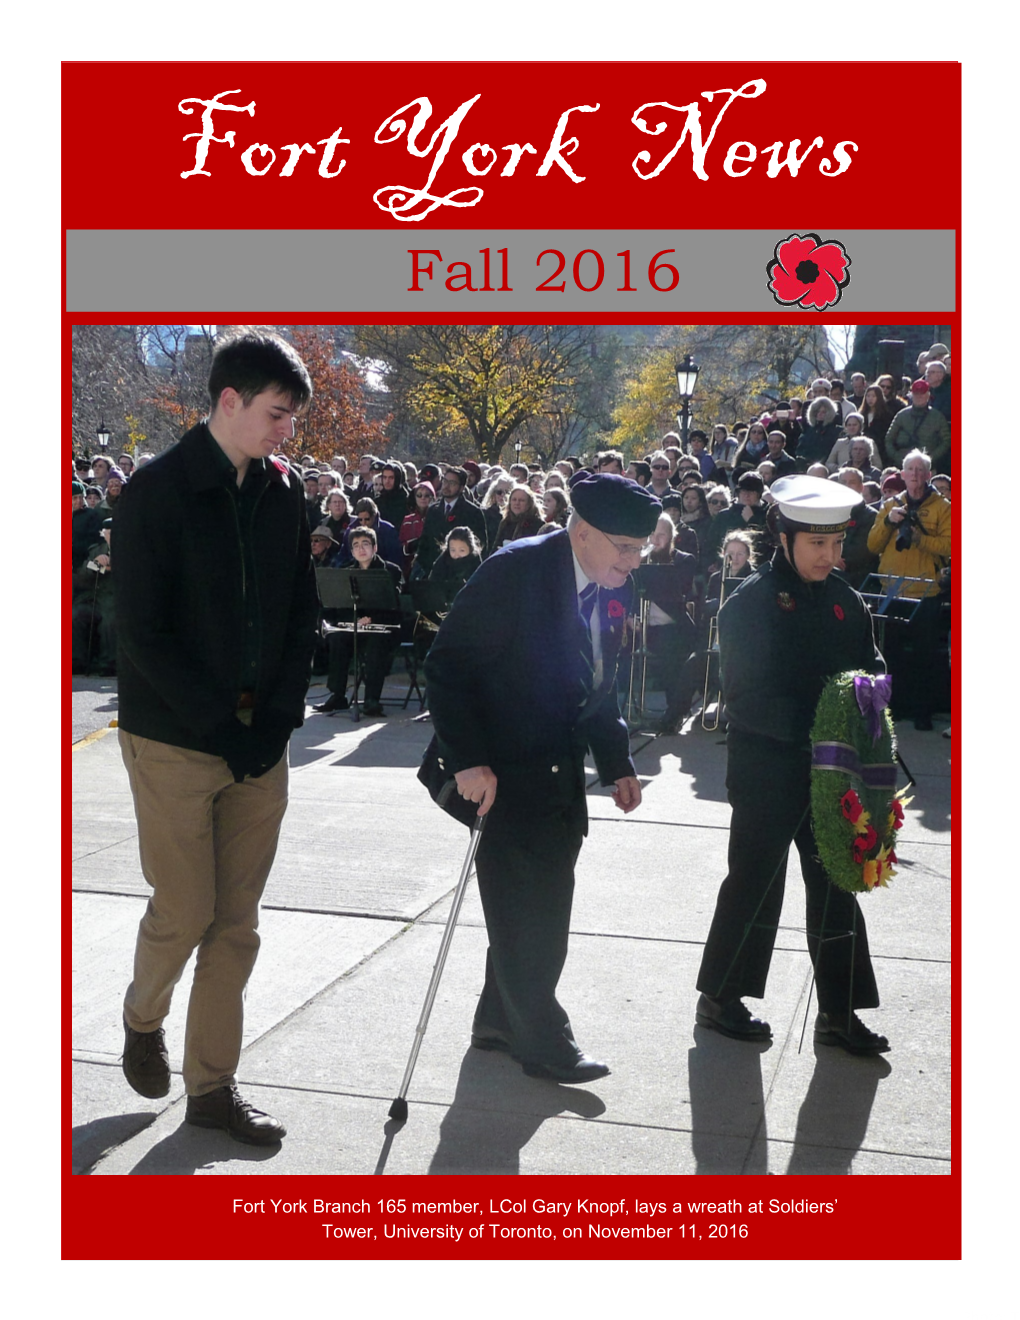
398,1110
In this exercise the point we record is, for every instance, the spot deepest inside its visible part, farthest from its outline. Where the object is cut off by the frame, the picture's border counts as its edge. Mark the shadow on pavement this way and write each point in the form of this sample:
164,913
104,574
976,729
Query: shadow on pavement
727,1101
91,1141
833,1118
475,1138
188,1149
702,760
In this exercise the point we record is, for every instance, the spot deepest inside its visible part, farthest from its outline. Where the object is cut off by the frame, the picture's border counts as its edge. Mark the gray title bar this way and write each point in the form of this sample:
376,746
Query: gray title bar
338,271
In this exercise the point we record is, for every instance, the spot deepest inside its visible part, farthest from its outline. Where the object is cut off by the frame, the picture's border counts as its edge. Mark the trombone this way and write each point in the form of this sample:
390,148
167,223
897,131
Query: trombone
638,656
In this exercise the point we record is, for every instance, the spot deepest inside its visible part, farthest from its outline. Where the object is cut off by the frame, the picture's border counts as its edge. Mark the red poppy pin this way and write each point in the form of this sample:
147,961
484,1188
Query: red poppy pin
786,602
838,611
615,609
807,272
281,468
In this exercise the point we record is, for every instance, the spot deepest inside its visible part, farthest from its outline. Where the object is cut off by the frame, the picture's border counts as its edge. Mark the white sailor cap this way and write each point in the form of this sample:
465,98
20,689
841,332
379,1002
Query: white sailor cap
809,504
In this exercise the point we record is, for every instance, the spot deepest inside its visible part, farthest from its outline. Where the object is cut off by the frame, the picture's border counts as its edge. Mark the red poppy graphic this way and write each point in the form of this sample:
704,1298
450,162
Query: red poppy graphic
808,272
615,609
838,611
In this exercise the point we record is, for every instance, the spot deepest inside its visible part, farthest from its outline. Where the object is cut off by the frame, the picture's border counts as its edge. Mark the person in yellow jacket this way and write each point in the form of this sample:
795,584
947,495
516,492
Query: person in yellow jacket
912,536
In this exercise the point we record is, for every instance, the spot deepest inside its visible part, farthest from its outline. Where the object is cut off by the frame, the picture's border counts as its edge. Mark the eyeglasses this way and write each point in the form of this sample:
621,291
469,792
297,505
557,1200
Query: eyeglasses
716,501
660,467
625,551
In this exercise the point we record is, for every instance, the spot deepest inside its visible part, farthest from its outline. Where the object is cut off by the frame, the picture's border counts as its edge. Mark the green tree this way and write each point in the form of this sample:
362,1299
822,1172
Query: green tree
336,420
476,385
743,368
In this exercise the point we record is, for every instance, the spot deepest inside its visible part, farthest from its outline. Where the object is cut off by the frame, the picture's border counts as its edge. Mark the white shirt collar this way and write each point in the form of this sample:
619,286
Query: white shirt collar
581,578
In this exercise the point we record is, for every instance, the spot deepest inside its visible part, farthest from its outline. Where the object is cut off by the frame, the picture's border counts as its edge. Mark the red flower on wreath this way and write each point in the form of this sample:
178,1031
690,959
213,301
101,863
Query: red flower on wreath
851,805
897,811
808,272
615,609
863,844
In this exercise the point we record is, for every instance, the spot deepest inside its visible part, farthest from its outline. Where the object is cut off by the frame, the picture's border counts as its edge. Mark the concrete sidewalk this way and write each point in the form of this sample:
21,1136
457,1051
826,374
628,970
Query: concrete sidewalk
352,919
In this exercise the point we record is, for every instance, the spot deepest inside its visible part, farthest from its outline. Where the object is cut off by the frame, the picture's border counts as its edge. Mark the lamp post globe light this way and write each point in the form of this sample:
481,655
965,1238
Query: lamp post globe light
686,380
103,437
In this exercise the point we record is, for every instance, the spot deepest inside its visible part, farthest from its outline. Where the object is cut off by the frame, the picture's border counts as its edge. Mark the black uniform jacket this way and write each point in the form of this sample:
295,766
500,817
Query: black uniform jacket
182,588
781,639
505,674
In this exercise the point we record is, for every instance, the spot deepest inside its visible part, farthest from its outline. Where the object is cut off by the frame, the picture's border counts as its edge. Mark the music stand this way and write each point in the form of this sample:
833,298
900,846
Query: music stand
355,590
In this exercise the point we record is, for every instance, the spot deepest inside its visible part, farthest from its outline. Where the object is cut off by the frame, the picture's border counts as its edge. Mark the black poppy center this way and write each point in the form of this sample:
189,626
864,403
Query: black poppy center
807,272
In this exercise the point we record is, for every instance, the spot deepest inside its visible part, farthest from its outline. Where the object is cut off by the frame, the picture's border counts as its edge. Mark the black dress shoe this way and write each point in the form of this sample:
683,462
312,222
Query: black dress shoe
333,702
849,1034
923,724
225,1109
731,1017
583,1069
146,1063
372,708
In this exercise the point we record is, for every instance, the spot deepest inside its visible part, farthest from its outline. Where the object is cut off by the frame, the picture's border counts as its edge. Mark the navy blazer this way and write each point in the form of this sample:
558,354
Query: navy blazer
506,673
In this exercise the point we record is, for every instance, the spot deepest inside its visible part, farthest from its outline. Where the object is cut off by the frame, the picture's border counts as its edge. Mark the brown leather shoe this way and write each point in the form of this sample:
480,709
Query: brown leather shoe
224,1108
146,1063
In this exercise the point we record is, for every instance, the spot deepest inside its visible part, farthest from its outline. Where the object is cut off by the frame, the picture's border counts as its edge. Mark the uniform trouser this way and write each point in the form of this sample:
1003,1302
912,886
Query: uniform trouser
93,631
912,656
206,846
525,864
768,784
672,645
375,652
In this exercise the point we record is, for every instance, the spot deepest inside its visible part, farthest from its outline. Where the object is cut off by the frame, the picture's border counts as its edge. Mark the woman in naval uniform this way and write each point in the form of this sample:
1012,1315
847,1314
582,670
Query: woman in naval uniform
782,634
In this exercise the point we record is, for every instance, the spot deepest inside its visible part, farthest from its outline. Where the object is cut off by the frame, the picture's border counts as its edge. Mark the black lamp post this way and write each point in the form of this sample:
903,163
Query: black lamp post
686,379
103,437
518,446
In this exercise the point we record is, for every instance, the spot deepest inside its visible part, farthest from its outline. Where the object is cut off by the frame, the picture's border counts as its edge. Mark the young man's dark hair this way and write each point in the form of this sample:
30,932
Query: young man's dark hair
365,534
251,362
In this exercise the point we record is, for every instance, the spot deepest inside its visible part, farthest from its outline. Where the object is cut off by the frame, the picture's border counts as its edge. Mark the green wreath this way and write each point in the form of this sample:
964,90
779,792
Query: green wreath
855,808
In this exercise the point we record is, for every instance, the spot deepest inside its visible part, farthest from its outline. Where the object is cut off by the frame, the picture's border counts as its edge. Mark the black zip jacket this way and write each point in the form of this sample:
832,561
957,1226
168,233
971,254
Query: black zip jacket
186,602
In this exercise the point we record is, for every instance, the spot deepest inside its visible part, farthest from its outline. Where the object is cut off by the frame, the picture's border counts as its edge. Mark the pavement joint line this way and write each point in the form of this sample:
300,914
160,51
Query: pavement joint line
105,848
343,1093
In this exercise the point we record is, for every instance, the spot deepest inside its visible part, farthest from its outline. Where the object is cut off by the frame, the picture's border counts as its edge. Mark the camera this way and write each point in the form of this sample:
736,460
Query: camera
905,536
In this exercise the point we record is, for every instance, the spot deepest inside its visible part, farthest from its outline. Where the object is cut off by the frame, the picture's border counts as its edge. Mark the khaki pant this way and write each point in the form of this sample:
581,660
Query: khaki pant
206,846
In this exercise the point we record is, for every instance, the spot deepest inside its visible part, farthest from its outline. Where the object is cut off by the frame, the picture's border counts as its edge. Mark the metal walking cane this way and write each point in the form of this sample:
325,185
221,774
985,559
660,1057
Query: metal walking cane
398,1109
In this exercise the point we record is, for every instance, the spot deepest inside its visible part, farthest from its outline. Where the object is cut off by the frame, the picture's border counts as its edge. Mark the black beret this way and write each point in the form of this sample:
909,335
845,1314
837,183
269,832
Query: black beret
616,505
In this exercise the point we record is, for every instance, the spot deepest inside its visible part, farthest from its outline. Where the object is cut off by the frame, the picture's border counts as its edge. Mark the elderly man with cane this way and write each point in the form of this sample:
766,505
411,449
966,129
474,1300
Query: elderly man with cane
521,685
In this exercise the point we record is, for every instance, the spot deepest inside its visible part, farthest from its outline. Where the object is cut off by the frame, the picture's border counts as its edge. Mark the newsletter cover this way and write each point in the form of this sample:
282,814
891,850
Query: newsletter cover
462,340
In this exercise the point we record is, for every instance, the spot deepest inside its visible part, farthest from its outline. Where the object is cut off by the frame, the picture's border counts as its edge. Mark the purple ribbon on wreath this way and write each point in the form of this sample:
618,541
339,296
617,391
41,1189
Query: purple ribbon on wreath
872,698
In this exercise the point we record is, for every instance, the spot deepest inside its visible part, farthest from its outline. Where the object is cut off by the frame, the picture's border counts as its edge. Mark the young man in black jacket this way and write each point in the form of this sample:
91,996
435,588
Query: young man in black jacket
216,612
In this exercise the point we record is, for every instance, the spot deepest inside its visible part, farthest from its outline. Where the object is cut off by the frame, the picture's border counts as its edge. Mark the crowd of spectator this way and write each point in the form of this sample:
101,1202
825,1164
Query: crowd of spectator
887,440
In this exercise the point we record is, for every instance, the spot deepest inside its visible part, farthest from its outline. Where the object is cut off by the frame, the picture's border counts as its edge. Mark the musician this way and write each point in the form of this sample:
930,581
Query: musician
782,635
375,649
912,534
462,554
520,686
669,627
